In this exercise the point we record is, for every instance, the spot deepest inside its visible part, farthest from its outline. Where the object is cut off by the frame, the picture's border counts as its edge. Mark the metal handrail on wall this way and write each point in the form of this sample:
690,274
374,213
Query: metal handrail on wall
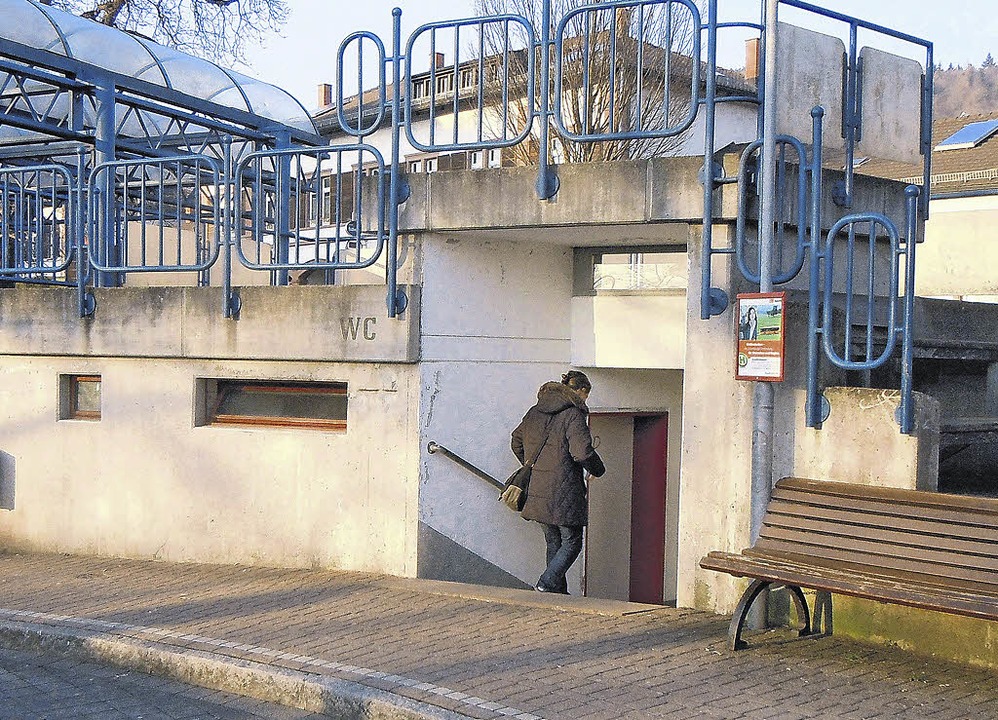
434,448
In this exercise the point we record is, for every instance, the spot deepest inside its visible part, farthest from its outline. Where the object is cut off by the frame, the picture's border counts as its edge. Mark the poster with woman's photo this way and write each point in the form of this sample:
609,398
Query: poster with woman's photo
760,336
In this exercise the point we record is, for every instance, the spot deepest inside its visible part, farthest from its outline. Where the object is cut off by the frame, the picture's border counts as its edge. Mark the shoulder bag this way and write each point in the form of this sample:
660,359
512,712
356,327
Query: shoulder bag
514,493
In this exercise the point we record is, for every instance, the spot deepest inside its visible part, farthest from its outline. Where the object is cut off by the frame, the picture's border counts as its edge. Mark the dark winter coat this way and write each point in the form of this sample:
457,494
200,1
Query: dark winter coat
557,492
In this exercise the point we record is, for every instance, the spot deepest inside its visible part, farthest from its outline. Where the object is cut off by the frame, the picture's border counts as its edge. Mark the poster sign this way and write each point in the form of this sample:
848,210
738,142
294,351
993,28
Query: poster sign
760,336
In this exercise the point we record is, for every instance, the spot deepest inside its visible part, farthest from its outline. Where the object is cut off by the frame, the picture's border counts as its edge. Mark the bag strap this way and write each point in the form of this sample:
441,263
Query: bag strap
547,434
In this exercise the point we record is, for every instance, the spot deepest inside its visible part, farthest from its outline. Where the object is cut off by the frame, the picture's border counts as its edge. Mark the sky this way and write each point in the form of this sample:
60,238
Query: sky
963,31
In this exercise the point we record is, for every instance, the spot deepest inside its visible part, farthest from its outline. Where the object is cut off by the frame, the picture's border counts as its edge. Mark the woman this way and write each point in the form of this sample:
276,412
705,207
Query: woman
750,327
558,425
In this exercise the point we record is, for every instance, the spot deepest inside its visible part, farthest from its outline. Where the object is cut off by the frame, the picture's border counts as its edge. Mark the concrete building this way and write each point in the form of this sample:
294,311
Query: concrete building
294,429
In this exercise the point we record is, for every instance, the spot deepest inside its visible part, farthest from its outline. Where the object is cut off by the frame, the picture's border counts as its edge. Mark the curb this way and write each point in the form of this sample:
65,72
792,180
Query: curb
334,697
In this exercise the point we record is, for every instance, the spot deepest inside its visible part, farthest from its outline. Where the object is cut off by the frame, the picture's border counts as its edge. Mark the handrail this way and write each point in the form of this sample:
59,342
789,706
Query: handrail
433,447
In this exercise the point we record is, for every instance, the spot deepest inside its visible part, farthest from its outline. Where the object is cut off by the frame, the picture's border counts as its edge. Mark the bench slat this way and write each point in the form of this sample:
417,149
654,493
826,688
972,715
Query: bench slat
863,553
935,528
903,503
920,574
929,597
897,496
886,539
954,516
915,577
760,560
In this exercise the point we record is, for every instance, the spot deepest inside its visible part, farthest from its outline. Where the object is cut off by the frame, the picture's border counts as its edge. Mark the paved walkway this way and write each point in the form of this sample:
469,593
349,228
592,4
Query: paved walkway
346,643
36,685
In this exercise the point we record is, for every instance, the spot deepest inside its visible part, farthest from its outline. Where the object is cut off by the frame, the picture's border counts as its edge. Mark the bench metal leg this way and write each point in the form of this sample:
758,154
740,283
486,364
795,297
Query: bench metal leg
821,620
801,602
753,591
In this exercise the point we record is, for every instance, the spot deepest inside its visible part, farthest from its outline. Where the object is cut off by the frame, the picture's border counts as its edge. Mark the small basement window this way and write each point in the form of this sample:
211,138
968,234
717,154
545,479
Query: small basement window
79,397
274,403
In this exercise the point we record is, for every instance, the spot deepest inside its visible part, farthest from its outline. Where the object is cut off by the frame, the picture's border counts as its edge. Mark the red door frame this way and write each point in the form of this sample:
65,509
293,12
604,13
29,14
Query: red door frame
648,500
648,487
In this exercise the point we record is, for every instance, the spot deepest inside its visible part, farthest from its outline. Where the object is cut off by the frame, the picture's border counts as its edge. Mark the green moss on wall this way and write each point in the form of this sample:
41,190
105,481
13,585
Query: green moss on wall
936,634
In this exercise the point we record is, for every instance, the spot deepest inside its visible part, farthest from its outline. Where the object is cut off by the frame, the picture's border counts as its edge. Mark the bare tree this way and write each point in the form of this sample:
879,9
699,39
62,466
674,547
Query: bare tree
215,29
622,70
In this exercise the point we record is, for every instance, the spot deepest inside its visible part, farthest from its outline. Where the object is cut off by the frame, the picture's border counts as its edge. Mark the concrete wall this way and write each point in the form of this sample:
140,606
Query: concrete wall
495,327
957,257
496,324
630,330
860,442
715,484
290,323
146,480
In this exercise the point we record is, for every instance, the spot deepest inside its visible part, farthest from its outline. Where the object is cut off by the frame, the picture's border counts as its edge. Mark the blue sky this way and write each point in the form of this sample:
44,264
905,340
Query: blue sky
306,54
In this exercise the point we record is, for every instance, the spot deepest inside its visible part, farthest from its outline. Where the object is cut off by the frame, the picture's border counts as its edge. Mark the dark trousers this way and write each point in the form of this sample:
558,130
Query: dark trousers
564,543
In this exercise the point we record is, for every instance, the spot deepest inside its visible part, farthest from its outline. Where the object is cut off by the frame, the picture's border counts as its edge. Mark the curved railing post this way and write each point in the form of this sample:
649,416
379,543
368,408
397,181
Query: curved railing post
907,410
230,300
547,180
397,299
813,410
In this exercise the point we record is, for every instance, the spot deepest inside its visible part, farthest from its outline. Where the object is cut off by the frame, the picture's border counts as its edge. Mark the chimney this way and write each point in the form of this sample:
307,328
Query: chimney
325,95
752,59
438,60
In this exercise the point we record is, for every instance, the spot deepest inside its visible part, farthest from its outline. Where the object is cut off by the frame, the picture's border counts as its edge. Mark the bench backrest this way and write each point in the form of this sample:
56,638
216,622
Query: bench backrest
950,540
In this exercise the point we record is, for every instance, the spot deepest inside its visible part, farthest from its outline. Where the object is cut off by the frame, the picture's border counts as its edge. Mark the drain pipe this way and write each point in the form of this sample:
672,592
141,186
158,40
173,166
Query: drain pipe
762,401
762,425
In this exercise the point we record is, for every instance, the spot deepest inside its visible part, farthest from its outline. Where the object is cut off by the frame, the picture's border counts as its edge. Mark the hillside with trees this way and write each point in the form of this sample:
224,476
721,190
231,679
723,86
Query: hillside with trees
966,90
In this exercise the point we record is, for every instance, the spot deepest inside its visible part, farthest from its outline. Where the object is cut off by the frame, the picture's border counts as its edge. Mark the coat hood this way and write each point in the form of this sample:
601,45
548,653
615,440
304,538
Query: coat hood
553,397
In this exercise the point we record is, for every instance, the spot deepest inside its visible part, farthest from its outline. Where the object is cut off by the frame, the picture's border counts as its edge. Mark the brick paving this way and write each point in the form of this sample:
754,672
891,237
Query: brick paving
46,685
446,650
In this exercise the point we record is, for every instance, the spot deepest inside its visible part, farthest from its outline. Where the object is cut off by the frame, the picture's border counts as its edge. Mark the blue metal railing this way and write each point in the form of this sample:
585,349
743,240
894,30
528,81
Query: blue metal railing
713,300
154,215
638,102
37,229
500,73
622,71
325,210
805,173
859,306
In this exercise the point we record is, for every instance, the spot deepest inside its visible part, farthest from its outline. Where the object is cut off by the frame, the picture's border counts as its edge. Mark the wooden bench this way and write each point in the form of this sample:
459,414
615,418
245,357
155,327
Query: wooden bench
922,549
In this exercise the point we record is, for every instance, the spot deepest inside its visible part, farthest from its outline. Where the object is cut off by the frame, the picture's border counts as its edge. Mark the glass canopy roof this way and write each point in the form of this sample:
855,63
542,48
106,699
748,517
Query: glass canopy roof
45,28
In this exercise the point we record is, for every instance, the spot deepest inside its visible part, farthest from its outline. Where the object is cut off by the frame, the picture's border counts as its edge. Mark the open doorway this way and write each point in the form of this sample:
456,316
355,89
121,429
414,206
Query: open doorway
626,538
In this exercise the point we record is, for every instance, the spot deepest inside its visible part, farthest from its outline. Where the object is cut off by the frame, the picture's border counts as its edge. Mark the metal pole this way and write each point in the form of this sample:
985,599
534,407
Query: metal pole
546,187
762,434
108,247
394,187
813,316
708,162
282,241
226,197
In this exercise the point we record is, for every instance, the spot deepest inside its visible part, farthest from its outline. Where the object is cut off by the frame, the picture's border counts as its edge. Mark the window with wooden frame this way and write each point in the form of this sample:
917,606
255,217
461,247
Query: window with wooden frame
79,397
276,403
